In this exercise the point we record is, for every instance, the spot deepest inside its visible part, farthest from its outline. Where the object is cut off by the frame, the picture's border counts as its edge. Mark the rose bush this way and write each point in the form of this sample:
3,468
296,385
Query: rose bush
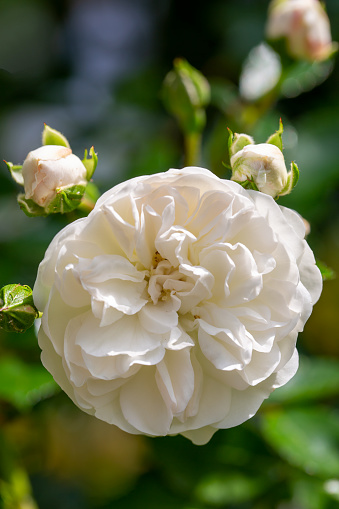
174,307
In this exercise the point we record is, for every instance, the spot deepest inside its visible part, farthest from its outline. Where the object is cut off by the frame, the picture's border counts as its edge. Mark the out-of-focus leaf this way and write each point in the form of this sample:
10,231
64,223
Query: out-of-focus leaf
16,494
306,438
316,378
23,384
228,488
309,493
304,76
327,273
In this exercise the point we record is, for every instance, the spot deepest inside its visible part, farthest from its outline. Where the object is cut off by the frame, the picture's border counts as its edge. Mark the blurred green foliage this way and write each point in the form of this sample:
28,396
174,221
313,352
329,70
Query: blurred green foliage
51,454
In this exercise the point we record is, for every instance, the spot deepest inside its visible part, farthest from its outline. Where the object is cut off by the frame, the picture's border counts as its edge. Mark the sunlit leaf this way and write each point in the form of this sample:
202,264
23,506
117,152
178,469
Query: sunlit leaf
307,438
226,488
23,384
316,378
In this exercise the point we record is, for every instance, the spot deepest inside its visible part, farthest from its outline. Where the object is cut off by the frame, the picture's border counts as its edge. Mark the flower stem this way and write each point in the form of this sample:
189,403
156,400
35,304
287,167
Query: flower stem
192,148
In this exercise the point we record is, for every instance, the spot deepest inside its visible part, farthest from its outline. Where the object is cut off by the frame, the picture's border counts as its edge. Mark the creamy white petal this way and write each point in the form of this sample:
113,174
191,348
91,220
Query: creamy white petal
143,406
175,380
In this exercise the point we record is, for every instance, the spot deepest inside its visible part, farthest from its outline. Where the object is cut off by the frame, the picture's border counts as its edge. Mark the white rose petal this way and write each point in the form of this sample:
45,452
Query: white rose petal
175,306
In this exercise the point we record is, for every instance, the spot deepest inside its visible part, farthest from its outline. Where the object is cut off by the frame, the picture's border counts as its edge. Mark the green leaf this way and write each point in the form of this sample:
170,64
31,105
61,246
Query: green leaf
29,207
66,200
327,273
308,438
16,172
310,493
91,163
16,491
316,378
23,384
17,310
53,137
276,138
304,76
228,488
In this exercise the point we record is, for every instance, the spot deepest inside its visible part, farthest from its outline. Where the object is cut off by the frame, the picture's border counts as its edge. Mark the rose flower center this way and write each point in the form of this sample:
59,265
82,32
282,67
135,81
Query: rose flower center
165,280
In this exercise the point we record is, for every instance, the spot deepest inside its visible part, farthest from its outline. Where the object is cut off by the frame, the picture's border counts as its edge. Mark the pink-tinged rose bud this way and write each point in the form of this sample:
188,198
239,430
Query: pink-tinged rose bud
262,164
305,25
48,169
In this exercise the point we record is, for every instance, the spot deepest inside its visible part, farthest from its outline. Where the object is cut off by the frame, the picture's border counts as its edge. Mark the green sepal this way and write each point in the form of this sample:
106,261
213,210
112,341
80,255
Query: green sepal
53,137
276,138
237,142
66,200
292,179
90,163
246,184
17,310
230,140
29,207
16,172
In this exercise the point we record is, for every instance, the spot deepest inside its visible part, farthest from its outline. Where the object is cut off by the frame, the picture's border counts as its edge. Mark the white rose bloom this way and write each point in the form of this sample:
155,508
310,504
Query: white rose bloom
305,25
49,168
264,164
175,306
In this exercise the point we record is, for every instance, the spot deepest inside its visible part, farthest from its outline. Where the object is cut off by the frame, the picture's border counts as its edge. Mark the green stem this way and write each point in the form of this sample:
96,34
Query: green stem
192,148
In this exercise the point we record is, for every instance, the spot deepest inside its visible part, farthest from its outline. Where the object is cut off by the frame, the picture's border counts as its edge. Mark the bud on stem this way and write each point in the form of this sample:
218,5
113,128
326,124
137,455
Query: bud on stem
54,178
261,167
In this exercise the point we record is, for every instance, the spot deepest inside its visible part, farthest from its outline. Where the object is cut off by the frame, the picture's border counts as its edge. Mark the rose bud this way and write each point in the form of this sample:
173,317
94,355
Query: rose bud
51,168
305,25
263,165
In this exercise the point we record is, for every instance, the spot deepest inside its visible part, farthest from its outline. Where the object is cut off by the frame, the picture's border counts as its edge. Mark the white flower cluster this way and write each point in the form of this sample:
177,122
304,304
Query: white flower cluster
175,306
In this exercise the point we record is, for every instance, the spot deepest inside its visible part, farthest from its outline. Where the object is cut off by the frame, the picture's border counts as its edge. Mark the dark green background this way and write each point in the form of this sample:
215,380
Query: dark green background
93,69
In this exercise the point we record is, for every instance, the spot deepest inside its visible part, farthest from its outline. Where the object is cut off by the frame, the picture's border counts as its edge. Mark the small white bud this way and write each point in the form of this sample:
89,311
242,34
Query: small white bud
262,164
305,25
48,169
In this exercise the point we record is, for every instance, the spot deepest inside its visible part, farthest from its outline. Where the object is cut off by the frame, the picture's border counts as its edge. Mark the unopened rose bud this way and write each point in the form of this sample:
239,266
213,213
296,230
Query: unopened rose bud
186,93
305,25
54,179
17,310
262,164
48,169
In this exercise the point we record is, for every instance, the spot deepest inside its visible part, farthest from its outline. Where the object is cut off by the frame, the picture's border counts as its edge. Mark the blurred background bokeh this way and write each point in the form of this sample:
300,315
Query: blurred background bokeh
93,69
